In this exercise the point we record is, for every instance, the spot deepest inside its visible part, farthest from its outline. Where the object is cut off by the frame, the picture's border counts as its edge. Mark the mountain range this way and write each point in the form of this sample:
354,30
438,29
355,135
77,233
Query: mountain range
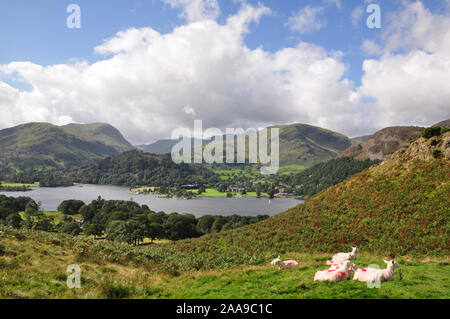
385,142
44,145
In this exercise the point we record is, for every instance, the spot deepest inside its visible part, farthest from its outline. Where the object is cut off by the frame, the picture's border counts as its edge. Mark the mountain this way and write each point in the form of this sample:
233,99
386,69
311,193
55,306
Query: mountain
100,132
300,144
383,143
136,168
445,123
307,145
160,147
44,145
399,207
359,139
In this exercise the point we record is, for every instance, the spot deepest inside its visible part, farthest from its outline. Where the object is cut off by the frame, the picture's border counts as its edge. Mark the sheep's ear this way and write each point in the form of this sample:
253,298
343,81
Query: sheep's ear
387,262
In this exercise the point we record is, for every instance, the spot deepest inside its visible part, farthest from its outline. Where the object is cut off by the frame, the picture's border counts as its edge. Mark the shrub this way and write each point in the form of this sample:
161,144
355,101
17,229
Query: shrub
431,131
2,249
110,291
437,153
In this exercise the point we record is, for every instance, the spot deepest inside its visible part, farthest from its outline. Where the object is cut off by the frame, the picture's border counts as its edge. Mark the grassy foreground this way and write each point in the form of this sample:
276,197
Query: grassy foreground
33,265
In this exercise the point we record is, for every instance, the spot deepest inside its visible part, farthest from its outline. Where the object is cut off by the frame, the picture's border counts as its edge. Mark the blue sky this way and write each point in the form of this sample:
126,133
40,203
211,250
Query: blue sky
36,30
197,67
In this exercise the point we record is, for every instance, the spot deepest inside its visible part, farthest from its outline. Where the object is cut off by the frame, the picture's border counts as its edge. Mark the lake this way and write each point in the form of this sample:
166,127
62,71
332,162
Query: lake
50,199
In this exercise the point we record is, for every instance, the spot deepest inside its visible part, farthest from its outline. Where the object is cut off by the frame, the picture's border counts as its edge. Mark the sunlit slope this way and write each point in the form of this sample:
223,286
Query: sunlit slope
399,207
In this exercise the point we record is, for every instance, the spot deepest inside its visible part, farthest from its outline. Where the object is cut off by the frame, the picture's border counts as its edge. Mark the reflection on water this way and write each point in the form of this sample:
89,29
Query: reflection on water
50,199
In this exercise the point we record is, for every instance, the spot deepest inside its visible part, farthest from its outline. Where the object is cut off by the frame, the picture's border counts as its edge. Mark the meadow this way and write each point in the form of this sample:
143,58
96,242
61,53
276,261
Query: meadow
33,265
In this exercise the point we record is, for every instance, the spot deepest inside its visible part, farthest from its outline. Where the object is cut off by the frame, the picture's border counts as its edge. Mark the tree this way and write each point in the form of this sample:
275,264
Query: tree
154,231
204,224
14,220
93,229
69,226
180,226
432,131
201,190
70,207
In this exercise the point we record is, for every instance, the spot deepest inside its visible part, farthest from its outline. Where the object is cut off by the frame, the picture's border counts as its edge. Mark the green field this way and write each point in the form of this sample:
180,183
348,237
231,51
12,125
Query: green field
249,172
291,169
33,265
57,216
215,193
6,184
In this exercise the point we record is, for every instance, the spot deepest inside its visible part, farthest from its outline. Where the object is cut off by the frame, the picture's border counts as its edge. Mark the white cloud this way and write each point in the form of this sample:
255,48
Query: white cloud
306,20
189,110
357,14
196,10
410,81
147,79
371,48
149,83
337,3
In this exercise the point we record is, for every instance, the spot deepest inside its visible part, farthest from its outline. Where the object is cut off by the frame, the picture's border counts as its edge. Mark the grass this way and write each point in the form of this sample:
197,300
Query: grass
6,184
291,169
57,216
419,279
210,192
34,265
249,172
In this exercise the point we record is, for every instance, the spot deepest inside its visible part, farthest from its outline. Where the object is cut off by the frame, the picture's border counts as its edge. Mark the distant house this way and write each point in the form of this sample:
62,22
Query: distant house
80,222
236,189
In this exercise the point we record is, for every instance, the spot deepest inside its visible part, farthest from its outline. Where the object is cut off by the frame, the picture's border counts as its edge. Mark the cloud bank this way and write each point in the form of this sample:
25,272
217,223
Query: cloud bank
149,83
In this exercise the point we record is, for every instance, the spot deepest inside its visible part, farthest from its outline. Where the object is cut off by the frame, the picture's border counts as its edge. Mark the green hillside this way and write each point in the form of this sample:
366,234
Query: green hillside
398,207
302,144
307,145
43,146
136,168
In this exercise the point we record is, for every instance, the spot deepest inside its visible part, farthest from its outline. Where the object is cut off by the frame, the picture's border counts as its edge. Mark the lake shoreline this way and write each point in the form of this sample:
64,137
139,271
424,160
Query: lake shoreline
50,199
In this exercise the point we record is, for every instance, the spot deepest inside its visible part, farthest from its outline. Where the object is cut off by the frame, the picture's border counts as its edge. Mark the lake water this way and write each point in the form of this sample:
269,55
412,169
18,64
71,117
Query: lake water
50,199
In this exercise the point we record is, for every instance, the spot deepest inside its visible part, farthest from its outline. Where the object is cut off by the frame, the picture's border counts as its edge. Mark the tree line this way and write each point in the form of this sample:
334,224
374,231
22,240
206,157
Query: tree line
121,221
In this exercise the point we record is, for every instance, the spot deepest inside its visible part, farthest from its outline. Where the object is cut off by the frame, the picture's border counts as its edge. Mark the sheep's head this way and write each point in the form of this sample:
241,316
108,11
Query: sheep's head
275,261
354,252
349,265
391,263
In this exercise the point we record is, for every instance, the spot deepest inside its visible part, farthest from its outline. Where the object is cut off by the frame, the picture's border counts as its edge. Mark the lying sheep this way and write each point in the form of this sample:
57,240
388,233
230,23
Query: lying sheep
289,264
335,273
379,275
339,258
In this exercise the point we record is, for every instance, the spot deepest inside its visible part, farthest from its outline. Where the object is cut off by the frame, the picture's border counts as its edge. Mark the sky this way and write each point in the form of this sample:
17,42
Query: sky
151,66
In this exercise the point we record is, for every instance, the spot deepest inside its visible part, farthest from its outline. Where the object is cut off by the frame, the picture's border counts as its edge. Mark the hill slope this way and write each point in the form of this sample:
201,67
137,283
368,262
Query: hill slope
135,168
398,207
383,143
307,145
300,144
445,123
40,145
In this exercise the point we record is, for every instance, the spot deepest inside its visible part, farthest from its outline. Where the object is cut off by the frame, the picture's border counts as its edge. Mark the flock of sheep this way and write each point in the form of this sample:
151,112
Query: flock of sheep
340,265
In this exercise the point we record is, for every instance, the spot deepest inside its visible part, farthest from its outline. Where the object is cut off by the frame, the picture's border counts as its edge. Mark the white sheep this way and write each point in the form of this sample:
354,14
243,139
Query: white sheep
289,264
339,258
373,274
335,273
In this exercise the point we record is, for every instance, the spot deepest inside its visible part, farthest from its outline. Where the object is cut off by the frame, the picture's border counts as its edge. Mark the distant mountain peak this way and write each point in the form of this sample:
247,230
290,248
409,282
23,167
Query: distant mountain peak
383,143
